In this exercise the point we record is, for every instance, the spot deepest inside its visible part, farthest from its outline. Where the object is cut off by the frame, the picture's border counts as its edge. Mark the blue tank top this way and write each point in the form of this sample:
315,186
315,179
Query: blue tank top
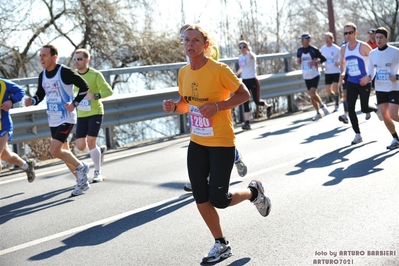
356,63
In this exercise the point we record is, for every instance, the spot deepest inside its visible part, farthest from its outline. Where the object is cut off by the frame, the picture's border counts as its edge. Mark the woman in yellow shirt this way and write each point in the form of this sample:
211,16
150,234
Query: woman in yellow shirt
205,87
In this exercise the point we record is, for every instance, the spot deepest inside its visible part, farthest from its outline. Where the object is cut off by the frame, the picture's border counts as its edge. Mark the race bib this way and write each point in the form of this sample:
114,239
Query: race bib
353,67
200,125
383,75
84,105
54,105
330,60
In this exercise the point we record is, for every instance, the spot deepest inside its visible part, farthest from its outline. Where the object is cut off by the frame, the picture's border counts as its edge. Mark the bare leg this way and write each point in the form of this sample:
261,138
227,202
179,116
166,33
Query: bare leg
61,151
211,216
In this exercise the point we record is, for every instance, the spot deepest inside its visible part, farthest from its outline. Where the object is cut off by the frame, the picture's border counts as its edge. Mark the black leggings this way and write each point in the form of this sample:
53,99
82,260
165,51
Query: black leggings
252,86
215,162
354,90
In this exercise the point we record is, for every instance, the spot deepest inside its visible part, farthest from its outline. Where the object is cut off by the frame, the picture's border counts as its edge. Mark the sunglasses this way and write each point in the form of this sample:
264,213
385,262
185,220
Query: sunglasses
242,47
79,59
349,32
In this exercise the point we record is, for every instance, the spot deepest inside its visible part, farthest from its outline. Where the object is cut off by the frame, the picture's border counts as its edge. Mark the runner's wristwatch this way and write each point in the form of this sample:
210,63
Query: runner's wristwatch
76,103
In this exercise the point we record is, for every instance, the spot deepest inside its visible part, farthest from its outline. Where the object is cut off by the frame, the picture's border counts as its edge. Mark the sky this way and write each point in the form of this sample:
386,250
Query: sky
208,13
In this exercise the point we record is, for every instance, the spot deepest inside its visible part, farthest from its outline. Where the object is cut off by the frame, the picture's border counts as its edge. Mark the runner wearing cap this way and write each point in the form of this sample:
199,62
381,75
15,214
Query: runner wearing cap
309,58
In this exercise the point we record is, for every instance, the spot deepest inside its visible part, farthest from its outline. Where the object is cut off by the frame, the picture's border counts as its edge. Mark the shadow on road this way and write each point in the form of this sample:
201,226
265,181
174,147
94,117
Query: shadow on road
324,135
238,262
100,234
28,206
331,158
279,132
359,169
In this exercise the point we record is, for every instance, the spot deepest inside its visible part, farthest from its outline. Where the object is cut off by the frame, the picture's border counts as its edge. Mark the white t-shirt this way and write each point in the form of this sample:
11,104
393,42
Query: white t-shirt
248,65
332,55
308,71
382,65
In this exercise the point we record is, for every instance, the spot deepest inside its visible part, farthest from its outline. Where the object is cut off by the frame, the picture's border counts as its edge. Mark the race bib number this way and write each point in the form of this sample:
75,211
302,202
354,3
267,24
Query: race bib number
330,60
383,75
54,105
353,67
84,105
200,125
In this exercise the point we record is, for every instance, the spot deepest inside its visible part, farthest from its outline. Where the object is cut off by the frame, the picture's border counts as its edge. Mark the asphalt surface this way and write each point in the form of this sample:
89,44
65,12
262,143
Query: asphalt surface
332,203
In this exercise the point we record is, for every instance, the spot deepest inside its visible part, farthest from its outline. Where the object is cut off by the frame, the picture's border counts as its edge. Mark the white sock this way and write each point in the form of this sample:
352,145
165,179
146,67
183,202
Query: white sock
95,155
25,166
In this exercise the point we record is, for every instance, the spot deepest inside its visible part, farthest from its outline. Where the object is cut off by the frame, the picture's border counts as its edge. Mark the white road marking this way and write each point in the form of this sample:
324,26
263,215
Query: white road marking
87,226
125,214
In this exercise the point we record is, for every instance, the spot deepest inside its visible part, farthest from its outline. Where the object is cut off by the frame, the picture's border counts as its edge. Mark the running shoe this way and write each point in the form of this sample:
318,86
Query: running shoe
325,110
30,171
246,126
262,203
241,167
218,252
357,139
343,119
78,190
187,187
82,172
394,144
98,177
103,150
368,115
317,117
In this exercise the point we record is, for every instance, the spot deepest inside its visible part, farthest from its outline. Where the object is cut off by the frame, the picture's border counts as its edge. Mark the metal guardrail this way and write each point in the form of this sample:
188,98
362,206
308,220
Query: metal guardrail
30,123
174,67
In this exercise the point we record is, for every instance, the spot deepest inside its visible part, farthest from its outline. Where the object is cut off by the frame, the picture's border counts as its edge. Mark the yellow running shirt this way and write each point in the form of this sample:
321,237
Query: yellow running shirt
214,82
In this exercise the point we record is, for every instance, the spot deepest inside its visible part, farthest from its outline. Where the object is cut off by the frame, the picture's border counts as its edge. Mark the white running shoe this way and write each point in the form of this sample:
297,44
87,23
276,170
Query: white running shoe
103,150
325,110
218,251
262,203
317,117
343,119
241,167
82,172
357,139
78,190
394,144
378,113
98,177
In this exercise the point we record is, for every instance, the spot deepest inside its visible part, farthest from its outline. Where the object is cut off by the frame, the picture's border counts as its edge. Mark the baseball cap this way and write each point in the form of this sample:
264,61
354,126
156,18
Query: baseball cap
305,36
371,31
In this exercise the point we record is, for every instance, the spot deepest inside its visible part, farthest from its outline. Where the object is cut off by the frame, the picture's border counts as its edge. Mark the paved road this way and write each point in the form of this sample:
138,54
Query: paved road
333,203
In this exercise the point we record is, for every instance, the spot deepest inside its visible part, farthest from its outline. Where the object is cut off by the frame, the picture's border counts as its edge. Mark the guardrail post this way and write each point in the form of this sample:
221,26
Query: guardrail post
110,138
290,98
107,76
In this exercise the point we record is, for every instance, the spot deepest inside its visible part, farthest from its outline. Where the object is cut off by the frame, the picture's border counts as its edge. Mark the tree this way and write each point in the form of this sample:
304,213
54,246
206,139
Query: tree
111,29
